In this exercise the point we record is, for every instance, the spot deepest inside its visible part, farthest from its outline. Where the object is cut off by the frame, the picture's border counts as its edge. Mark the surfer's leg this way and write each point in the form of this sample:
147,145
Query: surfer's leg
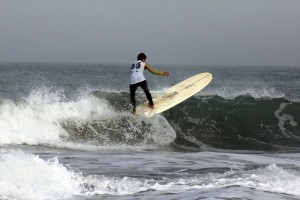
144,86
132,96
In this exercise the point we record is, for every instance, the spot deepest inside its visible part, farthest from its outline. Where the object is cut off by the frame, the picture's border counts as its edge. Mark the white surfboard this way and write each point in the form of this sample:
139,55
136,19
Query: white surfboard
175,94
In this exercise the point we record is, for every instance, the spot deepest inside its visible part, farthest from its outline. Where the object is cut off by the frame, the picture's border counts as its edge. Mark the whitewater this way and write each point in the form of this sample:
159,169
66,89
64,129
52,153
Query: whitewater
66,133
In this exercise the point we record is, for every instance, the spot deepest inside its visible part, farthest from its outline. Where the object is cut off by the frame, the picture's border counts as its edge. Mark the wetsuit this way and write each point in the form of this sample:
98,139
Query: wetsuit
137,79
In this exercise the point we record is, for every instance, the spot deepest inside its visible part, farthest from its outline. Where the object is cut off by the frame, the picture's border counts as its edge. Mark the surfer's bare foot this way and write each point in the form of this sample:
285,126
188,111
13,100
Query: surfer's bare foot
151,106
133,112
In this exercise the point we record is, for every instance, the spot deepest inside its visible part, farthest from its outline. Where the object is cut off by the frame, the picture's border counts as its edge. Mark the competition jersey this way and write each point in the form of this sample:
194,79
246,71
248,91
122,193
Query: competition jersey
137,72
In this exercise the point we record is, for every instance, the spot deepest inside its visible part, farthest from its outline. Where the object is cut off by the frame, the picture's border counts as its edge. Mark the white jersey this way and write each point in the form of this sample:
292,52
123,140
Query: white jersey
137,72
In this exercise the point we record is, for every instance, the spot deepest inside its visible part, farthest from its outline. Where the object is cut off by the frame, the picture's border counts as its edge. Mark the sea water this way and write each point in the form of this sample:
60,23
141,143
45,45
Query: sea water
66,133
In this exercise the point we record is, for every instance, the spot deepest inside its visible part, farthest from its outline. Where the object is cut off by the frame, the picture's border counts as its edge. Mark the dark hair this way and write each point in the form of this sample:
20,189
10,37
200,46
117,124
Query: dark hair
141,56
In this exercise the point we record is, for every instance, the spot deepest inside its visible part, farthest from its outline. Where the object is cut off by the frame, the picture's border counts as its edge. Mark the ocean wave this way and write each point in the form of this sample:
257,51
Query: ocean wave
50,179
48,118
243,123
97,119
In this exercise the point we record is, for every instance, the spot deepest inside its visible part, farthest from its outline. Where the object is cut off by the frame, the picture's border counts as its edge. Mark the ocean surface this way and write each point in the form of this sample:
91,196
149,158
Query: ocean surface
66,133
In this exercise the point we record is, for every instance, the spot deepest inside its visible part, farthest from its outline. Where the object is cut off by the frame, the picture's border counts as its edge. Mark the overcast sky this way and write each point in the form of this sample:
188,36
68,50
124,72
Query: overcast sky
170,32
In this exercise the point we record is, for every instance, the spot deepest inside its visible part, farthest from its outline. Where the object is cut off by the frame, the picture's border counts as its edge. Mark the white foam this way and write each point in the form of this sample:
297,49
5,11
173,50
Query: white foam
37,119
274,179
284,118
270,178
42,116
26,176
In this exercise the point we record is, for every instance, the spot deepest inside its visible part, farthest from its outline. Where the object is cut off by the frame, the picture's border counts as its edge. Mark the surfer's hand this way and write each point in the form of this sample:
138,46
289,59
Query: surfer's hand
166,74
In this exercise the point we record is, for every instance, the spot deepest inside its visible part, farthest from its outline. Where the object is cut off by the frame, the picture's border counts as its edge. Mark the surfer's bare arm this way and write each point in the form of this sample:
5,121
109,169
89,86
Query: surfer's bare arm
154,71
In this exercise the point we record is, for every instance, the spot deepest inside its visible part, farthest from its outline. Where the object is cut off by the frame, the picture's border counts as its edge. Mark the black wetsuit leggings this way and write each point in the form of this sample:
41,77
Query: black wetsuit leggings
133,88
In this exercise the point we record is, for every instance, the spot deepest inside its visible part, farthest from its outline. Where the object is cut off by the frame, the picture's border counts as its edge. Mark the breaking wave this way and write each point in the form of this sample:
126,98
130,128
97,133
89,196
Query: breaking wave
49,179
100,119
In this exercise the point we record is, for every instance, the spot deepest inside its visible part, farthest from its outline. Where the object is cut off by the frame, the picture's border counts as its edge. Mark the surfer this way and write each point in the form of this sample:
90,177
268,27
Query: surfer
137,79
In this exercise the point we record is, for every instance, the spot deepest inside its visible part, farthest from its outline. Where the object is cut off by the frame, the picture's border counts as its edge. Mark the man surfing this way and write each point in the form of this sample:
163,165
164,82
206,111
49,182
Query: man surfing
137,79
